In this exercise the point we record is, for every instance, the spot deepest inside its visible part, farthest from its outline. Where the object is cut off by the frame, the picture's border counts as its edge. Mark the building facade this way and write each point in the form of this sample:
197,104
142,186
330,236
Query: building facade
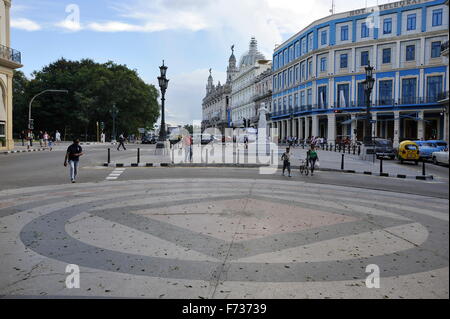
263,94
318,74
216,104
243,86
10,59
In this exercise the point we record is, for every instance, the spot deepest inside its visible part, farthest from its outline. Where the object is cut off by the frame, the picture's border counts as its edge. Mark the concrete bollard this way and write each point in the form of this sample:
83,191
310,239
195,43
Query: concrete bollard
381,166
359,150
423,167
342,162
138,155
109,155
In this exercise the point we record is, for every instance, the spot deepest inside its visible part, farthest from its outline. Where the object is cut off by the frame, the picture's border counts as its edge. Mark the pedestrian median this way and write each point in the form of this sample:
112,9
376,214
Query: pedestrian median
241,158
243,165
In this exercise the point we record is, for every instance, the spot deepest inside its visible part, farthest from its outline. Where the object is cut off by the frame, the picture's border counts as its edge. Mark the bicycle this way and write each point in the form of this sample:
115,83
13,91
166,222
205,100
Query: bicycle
304,168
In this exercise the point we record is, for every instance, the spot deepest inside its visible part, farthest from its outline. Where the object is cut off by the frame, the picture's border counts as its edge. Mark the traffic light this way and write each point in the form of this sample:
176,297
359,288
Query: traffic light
102,125
31,124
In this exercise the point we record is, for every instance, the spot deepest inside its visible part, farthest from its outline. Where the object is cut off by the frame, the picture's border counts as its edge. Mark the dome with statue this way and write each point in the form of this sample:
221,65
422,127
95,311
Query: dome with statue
253,55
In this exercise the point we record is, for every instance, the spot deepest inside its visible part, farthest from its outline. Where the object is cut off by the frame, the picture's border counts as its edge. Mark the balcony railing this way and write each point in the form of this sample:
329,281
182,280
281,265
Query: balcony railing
10,54
362,105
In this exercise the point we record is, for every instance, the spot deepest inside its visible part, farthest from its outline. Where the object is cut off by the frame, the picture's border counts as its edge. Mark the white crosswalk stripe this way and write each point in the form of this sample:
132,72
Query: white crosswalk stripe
115,174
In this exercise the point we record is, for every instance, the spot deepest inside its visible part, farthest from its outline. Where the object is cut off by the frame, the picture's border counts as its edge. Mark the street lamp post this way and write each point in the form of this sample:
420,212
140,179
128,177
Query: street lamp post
368,87
114,112
34,97
163,83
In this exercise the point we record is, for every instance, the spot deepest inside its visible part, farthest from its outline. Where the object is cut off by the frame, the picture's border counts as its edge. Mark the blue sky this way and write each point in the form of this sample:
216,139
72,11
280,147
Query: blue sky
191,35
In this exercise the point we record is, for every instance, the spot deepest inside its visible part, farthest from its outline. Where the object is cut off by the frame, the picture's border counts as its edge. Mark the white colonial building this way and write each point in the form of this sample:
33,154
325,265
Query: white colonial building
10,60
243,85
216,104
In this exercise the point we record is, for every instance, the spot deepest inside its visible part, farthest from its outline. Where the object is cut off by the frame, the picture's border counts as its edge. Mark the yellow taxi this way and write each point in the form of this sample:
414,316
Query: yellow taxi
408,151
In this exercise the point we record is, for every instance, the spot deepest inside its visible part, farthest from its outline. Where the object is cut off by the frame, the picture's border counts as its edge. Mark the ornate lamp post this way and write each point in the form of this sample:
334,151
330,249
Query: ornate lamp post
368,87
163,83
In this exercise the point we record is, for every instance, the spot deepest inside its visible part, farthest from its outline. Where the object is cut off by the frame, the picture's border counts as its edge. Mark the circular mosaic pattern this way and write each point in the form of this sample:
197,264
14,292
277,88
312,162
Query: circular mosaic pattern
234,230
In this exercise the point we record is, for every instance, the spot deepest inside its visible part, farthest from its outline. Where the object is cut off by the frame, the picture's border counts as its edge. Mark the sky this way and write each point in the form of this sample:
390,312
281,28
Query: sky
192,36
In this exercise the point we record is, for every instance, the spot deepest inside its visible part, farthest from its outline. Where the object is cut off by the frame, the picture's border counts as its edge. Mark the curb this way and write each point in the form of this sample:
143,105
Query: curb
199,165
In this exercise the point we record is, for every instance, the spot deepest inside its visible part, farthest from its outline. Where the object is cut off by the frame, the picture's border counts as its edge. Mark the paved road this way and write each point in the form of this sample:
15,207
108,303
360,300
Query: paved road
45,168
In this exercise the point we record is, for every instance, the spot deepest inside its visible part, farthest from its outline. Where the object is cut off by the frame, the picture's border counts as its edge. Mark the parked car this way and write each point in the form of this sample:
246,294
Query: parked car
427,148
384,148
147,139
408,151
440,158
441,145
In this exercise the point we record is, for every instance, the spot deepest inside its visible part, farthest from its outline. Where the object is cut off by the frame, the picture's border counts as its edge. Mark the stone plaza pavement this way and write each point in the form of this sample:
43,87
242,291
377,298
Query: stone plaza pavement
222,238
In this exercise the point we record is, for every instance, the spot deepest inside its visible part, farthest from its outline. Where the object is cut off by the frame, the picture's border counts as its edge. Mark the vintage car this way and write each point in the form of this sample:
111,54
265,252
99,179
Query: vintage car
408,151
440,158
426,148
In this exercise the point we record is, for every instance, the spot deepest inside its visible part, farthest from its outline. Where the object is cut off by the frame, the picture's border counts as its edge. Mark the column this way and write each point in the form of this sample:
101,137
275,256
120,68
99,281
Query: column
422,51
331,128
306,127
289,128
374,125
353,61
446,137
420,125
331,90
300,128
315,125
422,84
397,87
9,113
354,127
396,128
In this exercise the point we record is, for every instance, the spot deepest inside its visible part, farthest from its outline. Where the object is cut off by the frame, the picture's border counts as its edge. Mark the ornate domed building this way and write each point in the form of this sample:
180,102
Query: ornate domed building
243,87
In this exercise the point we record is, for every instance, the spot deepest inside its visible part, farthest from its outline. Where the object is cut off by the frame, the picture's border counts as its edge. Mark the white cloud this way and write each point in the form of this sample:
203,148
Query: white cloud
233,21
69,25
25,24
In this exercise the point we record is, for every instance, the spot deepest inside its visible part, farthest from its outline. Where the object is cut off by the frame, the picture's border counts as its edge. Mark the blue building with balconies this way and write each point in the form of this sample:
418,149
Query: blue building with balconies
318,74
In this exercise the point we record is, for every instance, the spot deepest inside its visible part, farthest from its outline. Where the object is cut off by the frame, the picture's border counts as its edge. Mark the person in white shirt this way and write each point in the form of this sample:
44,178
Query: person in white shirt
57,137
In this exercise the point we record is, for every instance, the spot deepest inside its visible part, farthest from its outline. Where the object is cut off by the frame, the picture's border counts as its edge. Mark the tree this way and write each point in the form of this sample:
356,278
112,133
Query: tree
20,104
93,89
189,128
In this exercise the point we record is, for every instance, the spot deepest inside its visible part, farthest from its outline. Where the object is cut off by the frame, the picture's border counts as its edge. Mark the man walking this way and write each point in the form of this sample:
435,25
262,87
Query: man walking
73,154
22,137
41,138
121,142
312,158
187,148
57,137
286,158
